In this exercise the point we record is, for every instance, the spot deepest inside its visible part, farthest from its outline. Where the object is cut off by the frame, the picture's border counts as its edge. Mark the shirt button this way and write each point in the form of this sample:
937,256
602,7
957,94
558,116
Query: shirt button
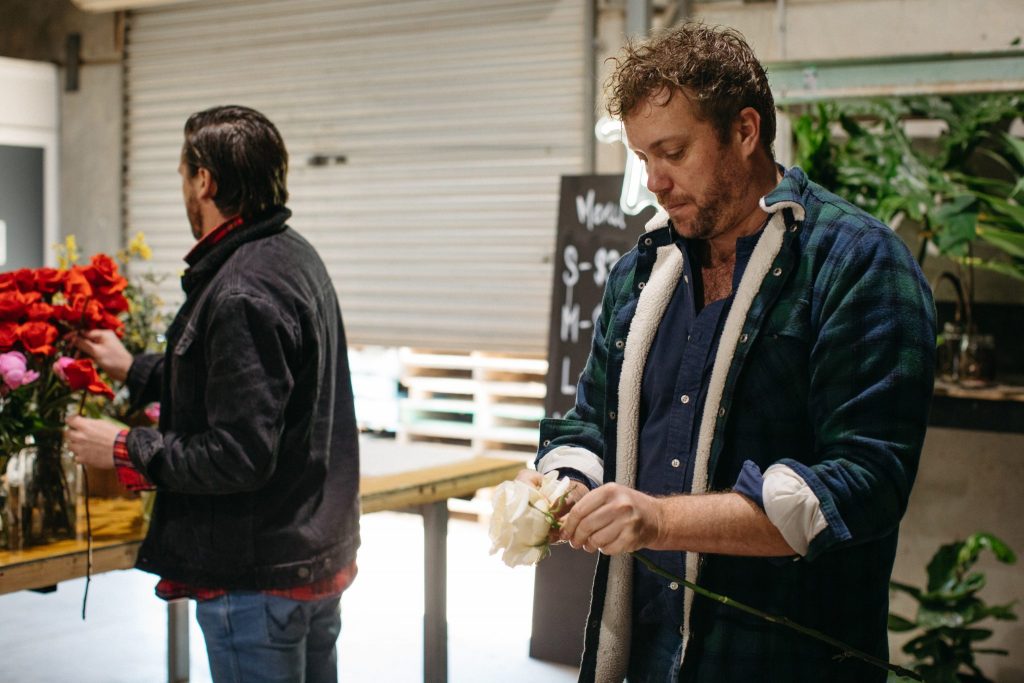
684,399
675,462
674,586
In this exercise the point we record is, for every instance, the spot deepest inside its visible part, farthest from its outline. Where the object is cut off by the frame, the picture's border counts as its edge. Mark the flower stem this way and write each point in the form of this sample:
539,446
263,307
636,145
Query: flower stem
846,650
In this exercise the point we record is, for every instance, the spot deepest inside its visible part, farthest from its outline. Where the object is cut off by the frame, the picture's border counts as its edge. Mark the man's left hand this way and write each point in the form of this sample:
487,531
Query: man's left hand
613,519
92,441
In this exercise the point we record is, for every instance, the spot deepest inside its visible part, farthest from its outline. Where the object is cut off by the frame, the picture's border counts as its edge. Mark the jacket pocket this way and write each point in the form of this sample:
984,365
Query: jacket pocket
184,374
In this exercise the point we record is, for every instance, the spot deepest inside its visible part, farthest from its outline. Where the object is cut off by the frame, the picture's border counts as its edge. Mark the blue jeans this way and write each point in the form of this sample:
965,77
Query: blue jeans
254,637
655,652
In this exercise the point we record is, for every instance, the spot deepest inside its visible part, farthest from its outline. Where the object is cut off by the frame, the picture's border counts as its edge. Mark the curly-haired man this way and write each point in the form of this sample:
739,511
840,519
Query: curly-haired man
753,409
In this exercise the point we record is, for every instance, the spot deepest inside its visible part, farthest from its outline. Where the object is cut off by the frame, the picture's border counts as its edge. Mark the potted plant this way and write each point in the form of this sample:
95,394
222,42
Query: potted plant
949,611
963,188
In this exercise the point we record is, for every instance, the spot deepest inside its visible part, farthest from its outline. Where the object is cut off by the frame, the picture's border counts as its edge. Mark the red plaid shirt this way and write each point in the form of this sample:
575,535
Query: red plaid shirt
211,238
134,480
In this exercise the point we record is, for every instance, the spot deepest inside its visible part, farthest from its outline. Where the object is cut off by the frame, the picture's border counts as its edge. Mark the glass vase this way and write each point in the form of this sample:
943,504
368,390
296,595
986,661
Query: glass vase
40,494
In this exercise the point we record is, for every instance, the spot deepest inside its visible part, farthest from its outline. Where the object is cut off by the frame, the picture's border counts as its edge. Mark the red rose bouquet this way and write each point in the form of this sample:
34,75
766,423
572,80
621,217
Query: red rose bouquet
41,377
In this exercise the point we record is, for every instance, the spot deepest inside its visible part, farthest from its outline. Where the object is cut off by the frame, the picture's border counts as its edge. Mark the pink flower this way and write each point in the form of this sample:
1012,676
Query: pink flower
14,370
60,365
153,412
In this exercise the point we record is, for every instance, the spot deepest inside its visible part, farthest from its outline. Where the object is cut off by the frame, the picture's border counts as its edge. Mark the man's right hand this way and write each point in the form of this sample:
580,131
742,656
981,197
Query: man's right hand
576,491
107,351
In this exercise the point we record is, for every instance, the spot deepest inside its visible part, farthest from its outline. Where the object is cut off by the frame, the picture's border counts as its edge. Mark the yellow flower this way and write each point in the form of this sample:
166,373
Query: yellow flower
67,253
138,247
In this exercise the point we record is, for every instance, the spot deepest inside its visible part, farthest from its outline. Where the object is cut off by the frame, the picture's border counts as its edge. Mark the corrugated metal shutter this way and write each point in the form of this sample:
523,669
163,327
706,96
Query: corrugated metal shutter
455,120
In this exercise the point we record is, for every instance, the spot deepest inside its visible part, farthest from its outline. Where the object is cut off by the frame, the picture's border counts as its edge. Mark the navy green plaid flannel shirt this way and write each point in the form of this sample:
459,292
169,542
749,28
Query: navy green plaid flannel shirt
836,383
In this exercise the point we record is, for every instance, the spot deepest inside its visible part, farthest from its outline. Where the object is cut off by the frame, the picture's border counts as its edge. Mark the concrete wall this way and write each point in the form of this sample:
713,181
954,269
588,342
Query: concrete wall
90,118
817,29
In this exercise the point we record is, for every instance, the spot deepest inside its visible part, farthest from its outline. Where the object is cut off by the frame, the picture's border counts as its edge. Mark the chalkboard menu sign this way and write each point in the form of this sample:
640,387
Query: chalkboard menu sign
593,232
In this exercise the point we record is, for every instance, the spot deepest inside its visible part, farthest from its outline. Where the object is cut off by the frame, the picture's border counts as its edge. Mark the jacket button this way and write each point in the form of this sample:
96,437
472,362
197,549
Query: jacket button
648,241
777,272
619,344
547,442
721,412
674,586
611,414
641,284
794,227
684,399
743,339
675,462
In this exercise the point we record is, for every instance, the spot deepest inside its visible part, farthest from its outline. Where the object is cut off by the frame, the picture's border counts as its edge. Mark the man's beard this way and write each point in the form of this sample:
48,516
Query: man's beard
714,212
195,216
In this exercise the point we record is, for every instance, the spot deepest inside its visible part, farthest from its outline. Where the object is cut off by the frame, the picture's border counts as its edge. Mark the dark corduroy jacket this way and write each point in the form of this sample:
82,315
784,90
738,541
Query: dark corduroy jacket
256,459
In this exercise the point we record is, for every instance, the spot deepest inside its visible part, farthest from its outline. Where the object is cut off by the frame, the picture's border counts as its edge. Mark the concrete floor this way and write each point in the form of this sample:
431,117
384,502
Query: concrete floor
43,639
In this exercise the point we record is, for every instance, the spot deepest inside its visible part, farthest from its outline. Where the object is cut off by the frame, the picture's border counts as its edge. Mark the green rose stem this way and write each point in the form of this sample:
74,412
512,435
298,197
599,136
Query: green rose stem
88,519
846,650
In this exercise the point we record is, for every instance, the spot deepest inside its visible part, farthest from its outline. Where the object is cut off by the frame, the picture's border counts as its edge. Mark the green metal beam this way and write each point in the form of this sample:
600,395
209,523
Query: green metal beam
809,81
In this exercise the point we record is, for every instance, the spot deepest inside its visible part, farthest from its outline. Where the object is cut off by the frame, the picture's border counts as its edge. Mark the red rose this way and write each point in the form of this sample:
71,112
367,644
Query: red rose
26,279
14,304
76,283
114,303
8,336
49,280
82,375
7,281
40,311
102,274
82,312
37,337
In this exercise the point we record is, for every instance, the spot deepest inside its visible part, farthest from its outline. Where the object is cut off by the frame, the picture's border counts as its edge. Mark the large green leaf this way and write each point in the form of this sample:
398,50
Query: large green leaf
977,542
943,565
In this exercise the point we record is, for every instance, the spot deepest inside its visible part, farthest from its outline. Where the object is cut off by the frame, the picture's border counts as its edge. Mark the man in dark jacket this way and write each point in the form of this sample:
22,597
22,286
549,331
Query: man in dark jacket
256,459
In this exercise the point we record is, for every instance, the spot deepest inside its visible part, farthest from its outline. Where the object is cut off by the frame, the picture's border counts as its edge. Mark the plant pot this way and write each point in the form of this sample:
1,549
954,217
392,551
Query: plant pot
41,488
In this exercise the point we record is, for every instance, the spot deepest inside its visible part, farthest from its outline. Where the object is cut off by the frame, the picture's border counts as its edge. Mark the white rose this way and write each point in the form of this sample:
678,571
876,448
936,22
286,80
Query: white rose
522,519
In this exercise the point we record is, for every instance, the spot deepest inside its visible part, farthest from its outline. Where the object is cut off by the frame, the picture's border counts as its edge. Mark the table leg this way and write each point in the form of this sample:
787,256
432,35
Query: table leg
435,617
177,641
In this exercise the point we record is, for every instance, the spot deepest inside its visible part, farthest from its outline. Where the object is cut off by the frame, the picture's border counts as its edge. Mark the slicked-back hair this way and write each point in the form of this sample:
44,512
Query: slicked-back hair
712,66
245,155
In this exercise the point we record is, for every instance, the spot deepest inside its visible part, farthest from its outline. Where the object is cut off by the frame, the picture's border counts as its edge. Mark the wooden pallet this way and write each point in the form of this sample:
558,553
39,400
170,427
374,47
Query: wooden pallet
489,402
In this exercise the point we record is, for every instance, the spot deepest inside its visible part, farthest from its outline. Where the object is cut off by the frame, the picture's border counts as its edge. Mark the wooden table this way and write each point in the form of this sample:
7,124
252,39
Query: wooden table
438,473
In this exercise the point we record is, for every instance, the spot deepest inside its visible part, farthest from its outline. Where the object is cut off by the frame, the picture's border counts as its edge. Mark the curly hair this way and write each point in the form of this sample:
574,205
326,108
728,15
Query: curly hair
712,66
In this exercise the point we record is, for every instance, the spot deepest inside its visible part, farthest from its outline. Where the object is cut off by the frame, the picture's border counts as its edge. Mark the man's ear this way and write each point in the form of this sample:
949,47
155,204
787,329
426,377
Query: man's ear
207,185
747,129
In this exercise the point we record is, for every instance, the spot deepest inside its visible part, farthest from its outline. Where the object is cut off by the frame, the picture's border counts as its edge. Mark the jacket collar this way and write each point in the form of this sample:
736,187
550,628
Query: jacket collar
788,194
210,261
